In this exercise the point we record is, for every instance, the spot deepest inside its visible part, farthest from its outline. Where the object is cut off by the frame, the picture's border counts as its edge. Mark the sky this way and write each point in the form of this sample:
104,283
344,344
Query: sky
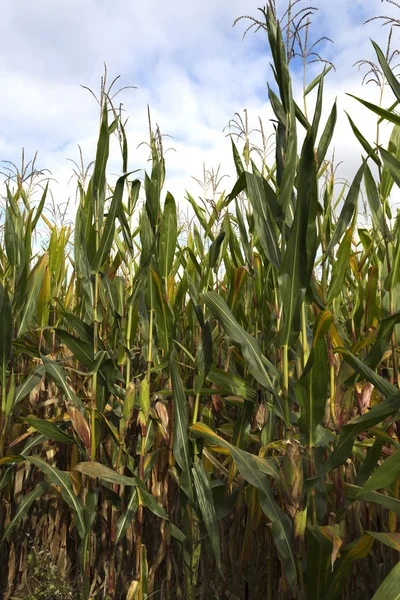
188,64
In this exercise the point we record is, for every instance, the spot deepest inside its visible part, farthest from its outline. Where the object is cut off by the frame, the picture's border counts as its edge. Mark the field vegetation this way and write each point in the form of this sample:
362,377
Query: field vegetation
208,410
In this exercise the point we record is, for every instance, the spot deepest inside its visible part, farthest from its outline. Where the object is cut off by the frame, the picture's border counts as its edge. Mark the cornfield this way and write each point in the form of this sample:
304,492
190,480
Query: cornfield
208,410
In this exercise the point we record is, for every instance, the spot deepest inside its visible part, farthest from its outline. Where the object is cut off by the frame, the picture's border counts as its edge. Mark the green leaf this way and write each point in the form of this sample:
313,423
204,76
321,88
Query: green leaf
382,341
62,481
298,259
58,375
392,164
248,467
385,114
40,207
369,462
150,502
386,182
90,508
48,429
317,111
82,351
250,346
207,508
237,160
181,446
349,432
98,181
127,516
107,237
385,474
312,387
11,238
348,209
23,506
389,589
168,236
327,135
229,383
375,205
319,560
390,77
5,329
364,142
215,249
301,117
281,68
31,443
277,107
263,214
340,266
317,80
82,329
393,276
154,185
354,492
199,212
29,384
343,565
30,303
244,238
389,539
289,172
365,371
204,358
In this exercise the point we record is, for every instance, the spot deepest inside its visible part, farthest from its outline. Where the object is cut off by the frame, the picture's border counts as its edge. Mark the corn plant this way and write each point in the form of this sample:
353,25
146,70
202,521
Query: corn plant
208,410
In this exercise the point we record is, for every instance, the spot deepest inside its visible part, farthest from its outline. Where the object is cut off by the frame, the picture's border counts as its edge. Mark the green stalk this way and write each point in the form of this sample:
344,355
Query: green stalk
332,403
312,498
3,408
196,409
285,389
94,378
391,311
304,341
129,328
143,440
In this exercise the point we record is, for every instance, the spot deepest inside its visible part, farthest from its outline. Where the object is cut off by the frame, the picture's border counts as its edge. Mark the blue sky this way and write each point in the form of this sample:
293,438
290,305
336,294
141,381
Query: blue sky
188,64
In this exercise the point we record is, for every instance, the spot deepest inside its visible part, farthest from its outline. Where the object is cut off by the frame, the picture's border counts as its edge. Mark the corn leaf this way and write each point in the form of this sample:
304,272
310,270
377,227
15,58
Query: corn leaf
181,445
207,509
389,589
23,507
248,467
62,481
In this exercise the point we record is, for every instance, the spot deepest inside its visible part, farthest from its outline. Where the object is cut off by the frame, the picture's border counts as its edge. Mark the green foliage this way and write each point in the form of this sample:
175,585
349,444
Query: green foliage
210,409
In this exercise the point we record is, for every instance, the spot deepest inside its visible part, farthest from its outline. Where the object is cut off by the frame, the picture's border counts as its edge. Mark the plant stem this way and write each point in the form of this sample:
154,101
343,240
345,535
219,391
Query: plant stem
285,389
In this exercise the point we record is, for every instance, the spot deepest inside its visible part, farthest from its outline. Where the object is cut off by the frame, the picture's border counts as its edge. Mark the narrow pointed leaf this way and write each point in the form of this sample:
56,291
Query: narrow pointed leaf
168,236
348,209
62,481
23,506
281,525
381,112
58,375
49,430
206,502
364,142
181,445
385,474
250,346
389,589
